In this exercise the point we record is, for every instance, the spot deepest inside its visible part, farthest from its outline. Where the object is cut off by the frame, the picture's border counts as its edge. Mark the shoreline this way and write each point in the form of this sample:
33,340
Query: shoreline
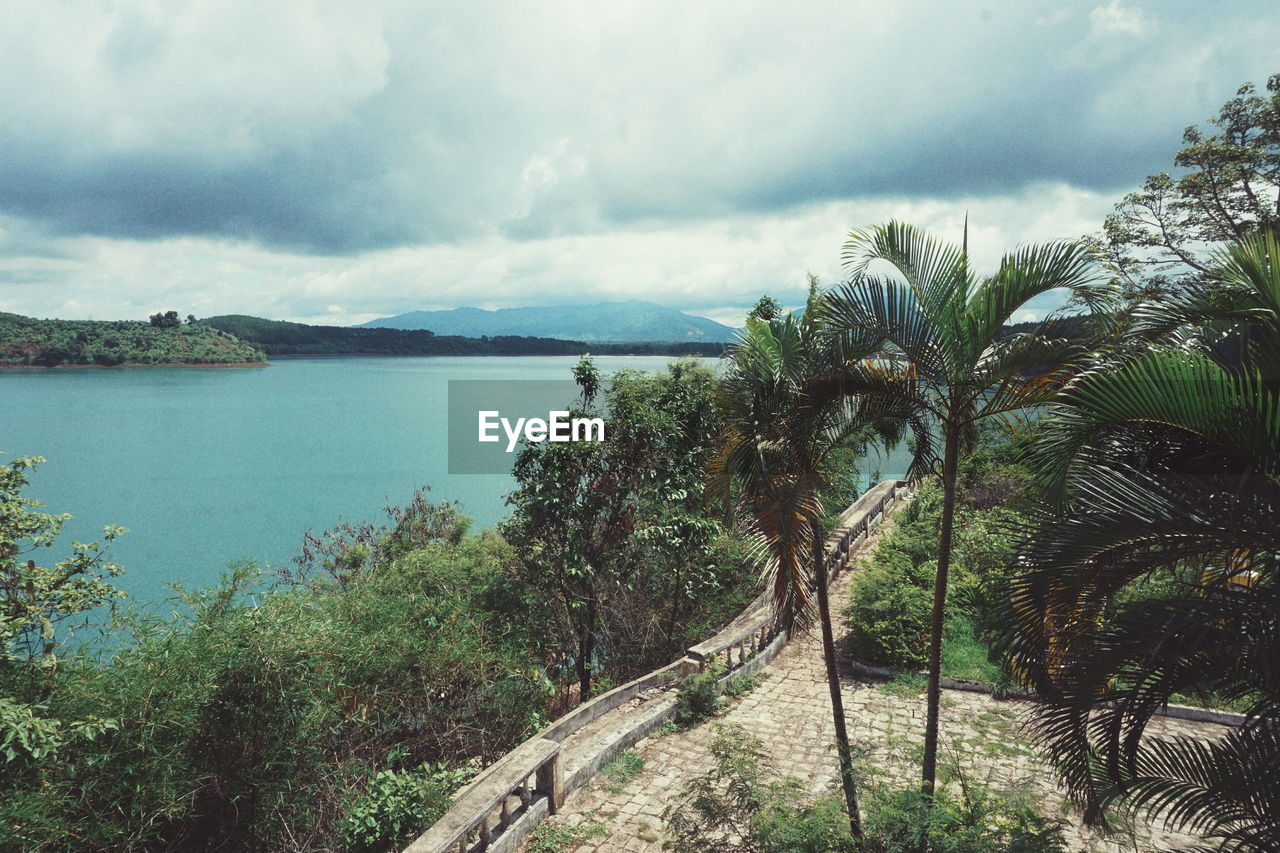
183,365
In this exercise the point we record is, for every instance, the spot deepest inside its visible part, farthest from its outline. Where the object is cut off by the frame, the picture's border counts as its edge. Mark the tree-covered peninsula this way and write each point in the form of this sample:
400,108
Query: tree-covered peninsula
28,342
278,337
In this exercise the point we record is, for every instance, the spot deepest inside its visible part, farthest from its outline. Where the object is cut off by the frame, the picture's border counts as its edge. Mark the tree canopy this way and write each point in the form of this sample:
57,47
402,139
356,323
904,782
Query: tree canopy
1228,186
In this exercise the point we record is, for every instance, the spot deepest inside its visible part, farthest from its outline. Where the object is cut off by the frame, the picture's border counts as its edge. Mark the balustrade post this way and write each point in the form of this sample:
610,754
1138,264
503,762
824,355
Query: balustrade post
550,782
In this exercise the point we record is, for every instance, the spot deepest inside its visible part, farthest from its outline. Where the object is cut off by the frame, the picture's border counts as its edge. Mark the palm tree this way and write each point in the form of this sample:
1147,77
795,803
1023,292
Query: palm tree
1167,471
931,340
783,420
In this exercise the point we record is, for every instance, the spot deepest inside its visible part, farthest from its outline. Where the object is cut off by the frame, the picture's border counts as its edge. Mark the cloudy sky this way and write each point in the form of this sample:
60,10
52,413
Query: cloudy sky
339,161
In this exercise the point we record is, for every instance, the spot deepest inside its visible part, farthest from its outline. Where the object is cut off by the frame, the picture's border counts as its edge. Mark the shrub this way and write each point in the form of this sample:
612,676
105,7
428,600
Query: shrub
245,723
742,805
980,820
397,804
782,827
889,612
698,698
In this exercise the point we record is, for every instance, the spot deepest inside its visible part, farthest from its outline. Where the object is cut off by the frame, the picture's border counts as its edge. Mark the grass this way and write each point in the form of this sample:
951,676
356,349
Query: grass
741,685
557,838
621,770
906,685
964,655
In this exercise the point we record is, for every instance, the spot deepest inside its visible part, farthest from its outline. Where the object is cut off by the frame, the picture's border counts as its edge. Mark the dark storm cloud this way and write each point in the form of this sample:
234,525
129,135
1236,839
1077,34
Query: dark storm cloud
403,125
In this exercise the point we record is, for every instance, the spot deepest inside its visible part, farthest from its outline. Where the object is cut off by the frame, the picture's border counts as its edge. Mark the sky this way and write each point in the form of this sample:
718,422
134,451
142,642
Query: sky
333,162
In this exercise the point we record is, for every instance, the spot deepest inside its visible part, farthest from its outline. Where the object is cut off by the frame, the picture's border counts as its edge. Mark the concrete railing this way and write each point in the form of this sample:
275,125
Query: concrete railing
753,631
525,782
507,800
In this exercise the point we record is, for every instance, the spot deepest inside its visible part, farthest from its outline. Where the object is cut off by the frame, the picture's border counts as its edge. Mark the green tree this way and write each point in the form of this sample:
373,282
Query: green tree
607,529
36,601
766,308
1229,187
166,320
1155,573
930,341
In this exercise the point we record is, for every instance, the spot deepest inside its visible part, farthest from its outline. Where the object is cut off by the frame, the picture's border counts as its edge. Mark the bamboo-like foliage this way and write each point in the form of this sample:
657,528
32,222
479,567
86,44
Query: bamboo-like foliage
929,340
1166,468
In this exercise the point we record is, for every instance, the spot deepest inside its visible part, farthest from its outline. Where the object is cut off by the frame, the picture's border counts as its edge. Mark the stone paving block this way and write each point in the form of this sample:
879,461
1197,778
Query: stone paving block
789,713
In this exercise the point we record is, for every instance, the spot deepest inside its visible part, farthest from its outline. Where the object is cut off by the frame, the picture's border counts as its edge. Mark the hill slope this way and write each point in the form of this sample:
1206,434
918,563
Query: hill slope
112,343
631,321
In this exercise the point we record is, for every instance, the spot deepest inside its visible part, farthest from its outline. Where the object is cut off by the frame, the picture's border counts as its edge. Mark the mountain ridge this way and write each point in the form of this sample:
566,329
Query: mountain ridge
628,321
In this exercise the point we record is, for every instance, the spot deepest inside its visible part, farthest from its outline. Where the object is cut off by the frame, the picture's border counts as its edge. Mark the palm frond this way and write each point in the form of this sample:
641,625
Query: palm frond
1025,274
1185,391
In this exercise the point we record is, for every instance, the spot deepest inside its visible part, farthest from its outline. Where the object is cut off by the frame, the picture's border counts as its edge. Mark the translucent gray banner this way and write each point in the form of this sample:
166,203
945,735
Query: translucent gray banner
490,419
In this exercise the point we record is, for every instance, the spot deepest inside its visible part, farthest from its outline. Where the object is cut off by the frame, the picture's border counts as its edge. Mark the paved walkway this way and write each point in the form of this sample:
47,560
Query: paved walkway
790,713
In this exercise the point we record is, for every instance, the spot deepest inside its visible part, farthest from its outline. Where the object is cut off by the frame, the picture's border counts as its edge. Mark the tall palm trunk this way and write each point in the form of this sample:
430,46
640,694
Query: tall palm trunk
833,685
951,451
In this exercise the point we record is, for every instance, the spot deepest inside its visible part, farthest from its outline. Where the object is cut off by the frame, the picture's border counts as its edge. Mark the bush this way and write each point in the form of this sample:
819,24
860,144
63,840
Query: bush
980,820
891,602
397,804
246,723
698,698
889,612
782,827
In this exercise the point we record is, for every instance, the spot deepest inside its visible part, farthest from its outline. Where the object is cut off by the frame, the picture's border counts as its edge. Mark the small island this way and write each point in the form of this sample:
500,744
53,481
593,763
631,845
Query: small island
165,341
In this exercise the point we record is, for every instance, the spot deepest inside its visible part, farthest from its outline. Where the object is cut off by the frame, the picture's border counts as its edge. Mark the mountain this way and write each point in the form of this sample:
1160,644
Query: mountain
630,321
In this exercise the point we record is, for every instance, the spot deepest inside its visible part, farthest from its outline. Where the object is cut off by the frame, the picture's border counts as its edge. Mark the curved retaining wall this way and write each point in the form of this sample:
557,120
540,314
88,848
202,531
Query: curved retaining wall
507,800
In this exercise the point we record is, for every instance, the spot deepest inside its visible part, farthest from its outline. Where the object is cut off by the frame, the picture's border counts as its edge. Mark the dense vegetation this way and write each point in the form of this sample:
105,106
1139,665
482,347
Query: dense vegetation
278,337
1145,565
49,343
890,600
338,707
618,535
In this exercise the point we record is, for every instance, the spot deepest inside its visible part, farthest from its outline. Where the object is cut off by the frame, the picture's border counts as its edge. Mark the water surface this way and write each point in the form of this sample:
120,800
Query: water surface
207,466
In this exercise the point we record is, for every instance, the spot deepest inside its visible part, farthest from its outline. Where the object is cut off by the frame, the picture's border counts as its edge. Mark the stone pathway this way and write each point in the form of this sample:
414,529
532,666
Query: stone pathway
790,713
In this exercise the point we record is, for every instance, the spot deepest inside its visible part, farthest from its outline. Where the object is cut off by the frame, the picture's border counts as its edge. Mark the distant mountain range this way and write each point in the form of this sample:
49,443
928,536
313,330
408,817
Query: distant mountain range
631,321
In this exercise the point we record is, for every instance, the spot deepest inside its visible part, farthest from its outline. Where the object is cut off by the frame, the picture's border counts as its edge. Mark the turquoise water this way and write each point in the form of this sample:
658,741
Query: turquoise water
207,466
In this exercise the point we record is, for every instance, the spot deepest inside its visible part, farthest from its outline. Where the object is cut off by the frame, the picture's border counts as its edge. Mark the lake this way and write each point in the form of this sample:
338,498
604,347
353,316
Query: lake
210,465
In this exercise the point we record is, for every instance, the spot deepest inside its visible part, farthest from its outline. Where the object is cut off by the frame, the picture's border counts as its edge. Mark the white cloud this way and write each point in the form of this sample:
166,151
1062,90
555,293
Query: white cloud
1114,18
717,268
318,160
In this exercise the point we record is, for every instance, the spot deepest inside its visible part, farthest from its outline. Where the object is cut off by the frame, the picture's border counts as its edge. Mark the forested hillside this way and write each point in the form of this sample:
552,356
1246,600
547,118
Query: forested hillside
278,337
50,343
